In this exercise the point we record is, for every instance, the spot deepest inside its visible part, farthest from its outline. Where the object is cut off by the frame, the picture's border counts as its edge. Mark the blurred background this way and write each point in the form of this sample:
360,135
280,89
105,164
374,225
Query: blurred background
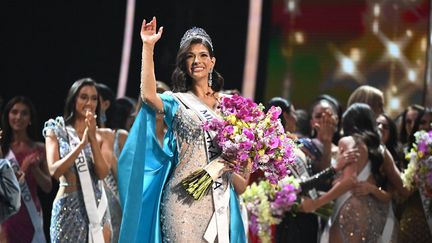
297,49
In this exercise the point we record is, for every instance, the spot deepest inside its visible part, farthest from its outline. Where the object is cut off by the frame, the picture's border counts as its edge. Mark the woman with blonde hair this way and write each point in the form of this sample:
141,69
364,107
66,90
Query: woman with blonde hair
368,95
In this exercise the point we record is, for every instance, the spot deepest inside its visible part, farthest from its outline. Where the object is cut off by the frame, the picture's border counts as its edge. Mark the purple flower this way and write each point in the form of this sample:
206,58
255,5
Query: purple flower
248,133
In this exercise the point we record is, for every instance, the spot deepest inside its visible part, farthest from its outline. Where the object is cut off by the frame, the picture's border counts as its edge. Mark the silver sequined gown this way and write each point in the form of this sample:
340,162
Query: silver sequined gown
69,221
362,219
184,219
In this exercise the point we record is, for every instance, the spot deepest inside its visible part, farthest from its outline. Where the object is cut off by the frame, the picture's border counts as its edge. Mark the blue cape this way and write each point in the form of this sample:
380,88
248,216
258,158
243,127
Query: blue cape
144,168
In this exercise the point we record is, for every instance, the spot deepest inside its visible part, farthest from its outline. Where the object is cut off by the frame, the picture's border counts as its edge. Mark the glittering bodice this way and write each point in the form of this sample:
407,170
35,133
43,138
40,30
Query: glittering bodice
183,218
362,219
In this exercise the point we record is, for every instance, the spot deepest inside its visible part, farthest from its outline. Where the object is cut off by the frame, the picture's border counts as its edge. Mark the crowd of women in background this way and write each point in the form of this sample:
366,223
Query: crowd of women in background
351,156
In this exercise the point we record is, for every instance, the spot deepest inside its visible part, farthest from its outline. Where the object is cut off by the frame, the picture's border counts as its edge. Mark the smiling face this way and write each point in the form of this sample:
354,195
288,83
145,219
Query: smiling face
199,63
383,127
410,119
425,121
87,99
19,117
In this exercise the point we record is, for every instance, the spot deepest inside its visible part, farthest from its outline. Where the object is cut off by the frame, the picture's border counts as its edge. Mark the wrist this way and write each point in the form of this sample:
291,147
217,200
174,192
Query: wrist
148,47
315,204
92,138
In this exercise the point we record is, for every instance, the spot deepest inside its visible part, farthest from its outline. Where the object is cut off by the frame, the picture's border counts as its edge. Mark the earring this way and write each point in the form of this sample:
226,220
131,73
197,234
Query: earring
103,117
210,80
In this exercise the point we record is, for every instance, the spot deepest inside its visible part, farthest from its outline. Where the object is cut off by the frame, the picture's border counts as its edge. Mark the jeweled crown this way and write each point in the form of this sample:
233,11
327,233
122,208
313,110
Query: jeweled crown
196,32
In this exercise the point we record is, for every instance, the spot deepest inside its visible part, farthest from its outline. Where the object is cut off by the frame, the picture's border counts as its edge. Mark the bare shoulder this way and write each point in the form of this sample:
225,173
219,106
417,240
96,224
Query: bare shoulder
106,133
123,134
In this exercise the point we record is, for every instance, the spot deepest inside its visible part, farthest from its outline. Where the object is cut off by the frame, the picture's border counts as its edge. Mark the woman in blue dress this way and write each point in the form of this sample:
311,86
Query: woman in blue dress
155,208
74,147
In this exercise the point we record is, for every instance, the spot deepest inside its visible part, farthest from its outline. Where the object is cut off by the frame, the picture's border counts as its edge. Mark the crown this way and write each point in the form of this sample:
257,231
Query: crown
195,33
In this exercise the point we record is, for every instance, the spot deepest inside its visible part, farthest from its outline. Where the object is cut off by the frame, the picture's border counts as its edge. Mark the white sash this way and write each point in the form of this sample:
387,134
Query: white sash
35,216
95,213
389,225
364,174
219,223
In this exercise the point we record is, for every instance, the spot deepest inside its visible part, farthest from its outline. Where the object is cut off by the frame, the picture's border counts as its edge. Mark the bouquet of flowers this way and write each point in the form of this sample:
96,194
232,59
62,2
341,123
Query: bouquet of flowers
266,204
419,171
250,137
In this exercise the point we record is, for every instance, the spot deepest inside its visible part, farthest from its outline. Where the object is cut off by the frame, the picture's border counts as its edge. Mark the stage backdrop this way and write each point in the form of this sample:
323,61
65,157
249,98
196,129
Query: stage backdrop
334,46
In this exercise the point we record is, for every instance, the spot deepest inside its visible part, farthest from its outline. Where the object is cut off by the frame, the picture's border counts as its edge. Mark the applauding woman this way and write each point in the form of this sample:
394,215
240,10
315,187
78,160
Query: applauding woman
27,157
75,157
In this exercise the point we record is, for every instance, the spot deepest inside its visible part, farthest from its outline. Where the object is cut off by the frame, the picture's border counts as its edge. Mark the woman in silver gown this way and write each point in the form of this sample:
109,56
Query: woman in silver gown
155,206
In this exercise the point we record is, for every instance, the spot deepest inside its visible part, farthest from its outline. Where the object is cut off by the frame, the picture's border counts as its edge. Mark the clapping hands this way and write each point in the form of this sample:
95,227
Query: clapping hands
91,127
32,160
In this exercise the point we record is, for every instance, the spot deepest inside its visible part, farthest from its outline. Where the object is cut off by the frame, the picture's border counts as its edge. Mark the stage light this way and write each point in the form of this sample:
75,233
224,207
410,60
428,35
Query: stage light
375,26
412,75
355,54
299,37
393,49
376,10
409,33
394,103
291,6
348,65
423,44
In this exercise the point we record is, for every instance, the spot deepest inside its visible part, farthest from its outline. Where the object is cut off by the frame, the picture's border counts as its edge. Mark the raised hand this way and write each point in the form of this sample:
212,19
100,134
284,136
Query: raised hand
346,157
149,33
91,125
307,205
326,126
362,188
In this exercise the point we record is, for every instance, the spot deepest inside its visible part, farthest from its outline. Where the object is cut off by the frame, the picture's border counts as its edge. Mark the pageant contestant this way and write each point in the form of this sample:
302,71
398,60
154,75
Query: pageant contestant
27,157
155,207
75,148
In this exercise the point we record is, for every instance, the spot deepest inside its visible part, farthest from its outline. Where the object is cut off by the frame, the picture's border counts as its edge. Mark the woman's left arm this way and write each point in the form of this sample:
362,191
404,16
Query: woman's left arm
393,174
240,182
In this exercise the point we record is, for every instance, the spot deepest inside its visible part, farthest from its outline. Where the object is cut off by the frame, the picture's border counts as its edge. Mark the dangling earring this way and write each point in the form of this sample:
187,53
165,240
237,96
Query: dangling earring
210,80
103,117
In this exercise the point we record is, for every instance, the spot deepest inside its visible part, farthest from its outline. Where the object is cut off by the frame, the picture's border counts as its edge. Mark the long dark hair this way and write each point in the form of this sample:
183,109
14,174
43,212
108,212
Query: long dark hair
69,109
409,138
181,81
358,121
125,107
106,93
392,143
7,130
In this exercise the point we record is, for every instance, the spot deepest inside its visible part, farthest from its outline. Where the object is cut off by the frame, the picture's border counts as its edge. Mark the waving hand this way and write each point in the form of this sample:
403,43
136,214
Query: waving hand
149,33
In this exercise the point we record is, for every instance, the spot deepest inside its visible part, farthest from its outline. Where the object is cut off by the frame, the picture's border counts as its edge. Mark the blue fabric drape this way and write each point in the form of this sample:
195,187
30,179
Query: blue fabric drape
144,168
